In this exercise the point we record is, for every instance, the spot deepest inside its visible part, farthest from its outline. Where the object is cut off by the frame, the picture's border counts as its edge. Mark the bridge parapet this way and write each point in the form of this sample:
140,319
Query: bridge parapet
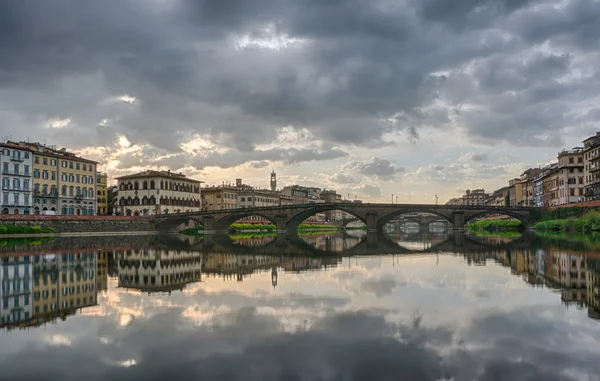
289,217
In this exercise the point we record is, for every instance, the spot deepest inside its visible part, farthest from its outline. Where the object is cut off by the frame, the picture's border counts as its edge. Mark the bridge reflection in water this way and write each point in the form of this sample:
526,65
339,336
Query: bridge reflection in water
60,278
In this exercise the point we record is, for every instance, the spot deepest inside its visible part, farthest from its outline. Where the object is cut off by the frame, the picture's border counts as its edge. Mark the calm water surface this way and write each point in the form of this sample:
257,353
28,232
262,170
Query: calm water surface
406,306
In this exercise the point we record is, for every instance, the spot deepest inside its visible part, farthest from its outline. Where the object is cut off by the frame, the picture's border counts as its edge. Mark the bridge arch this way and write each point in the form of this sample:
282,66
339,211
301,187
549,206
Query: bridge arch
294,222
170,223
503,212
223,223
398,213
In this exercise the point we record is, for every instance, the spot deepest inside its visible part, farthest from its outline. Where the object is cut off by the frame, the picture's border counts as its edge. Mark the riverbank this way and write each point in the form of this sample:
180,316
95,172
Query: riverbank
16,230
590,222
495,226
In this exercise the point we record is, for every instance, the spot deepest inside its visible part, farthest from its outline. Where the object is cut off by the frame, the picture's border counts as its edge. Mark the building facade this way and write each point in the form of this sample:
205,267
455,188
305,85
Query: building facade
16,285
538,191
63,183
515,192
219,198
157,192
570,176
102,193
551,185
528,186
591,166
16,163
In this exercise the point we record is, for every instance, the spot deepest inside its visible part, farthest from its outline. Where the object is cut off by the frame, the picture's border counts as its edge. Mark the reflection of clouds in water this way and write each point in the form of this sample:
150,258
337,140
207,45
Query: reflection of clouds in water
359,345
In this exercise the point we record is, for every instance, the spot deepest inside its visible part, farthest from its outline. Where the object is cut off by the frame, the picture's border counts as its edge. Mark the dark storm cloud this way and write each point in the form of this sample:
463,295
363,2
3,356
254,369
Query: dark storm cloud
383,169
361,345
349,71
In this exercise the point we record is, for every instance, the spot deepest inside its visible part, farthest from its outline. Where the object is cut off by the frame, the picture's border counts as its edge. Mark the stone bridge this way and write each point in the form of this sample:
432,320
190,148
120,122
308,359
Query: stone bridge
374,216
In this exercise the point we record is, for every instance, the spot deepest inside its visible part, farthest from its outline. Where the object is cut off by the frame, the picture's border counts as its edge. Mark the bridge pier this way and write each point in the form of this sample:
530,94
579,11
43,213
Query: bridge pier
281,221
458,220
372,222
282,239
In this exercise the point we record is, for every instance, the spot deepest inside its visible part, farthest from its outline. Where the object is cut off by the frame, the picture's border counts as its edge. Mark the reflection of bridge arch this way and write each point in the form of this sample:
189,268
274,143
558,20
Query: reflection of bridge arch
400,212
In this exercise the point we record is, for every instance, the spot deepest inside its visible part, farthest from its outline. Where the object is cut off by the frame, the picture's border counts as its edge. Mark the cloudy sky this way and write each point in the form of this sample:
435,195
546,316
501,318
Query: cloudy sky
411,97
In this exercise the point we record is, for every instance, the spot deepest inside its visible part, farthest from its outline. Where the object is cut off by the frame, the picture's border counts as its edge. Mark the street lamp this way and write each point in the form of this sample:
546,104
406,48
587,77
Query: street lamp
436,199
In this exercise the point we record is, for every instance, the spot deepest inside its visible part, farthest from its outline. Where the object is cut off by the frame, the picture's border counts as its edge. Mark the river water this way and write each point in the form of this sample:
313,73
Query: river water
404,306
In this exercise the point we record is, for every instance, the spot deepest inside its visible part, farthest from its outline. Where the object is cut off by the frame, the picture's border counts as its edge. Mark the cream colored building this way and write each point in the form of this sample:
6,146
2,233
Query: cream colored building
102,194
157,192
151,270
219,198
570,176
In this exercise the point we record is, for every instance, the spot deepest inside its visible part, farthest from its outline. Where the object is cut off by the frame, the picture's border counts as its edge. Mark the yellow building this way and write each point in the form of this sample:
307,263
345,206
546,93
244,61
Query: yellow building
77,281
102,195
102,274
45,287
63,182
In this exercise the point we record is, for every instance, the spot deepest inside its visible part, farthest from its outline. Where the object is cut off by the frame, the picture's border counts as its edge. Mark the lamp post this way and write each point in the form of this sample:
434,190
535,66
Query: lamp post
436,199
392,198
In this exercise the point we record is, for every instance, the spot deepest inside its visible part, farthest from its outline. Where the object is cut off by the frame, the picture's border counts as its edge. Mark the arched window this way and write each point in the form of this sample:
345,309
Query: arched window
53,190
91,192
152,200
85,192
145,200
78,191
122,186
162,185
161,200
64,191
71,190
129,201
136,185
136,201
145,185
122,202
151,184
45,188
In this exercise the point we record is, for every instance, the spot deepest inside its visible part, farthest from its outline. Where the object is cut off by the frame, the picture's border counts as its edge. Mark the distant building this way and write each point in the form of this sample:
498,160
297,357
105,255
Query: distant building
471,198
102,193
298,194
528,186
591,166
158,192
570,176
551,185
515,192
273,181
222,197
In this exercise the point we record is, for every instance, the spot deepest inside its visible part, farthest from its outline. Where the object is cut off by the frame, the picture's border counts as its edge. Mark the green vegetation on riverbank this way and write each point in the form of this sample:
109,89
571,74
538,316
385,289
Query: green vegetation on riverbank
11,242
588,223
497,234
14,229
495,225
247,227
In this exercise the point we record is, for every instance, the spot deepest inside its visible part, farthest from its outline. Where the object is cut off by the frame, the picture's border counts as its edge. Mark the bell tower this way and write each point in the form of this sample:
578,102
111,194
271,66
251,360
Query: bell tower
273,181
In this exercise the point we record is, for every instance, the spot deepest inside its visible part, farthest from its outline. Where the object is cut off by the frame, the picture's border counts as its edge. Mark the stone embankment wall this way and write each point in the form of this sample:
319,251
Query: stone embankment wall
82,224
586,204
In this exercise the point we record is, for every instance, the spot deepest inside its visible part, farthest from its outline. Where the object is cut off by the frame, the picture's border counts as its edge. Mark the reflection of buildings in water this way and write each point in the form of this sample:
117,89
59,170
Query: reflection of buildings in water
254,241
567,272
52,286
232,266
593,287
102,275
152,270
15,278
331,243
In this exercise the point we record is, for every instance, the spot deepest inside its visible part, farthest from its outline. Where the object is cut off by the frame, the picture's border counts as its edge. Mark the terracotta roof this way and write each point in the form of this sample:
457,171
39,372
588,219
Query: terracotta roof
165,174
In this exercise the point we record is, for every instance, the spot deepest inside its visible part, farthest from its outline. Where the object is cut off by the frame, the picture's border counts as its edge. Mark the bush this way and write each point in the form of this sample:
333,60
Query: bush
494,225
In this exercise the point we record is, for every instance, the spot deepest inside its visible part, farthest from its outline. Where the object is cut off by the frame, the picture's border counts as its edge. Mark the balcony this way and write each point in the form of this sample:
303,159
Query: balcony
16,173
16,205
78,197
17,158
15,189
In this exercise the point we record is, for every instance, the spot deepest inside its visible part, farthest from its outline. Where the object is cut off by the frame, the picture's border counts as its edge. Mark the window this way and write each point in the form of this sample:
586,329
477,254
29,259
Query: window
77,166
45,161
53,162
85,167
77,177
71,190
45,175
571,160
71,165
71,178
26,155
83,179
36,159
26,170
64,164
16,199
53,175
64,177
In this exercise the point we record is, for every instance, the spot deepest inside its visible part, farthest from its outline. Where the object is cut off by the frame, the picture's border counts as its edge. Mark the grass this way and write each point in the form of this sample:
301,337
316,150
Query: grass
495,225
500,234
590,222
14,229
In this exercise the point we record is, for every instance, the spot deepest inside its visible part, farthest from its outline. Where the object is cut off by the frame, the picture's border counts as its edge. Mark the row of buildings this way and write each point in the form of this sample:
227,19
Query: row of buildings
574,177
40,179
162,192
